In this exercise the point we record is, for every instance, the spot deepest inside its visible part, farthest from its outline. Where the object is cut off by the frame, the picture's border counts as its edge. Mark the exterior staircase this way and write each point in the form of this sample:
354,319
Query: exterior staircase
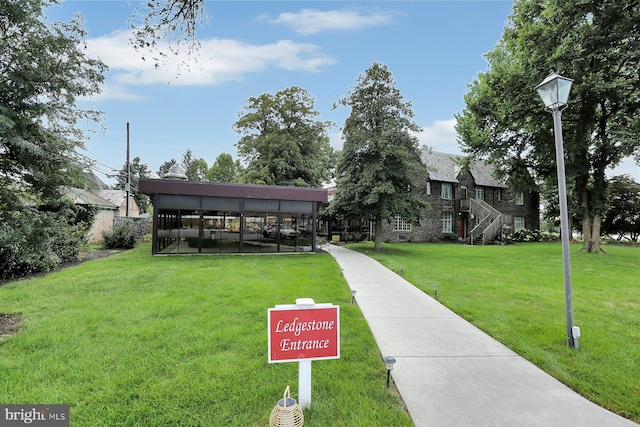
490,224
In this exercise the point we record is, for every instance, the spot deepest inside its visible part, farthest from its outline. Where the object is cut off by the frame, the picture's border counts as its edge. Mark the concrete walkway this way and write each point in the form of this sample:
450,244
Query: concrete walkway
450,373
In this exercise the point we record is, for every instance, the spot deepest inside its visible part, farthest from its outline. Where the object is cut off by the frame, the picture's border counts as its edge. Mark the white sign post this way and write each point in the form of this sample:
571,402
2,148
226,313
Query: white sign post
301,333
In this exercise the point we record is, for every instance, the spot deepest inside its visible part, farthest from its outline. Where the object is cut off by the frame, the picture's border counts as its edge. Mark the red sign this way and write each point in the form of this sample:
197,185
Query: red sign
304,333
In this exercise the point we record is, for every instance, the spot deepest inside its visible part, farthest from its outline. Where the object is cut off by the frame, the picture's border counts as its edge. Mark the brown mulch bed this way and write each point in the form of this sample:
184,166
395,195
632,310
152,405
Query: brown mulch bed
8,322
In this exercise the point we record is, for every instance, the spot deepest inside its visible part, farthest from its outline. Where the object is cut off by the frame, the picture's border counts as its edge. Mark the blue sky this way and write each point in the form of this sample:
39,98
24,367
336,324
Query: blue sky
432,48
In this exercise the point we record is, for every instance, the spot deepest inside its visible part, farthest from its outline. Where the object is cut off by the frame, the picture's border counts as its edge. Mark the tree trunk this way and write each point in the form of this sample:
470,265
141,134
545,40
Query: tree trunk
378,233
591,231
590,227
586,230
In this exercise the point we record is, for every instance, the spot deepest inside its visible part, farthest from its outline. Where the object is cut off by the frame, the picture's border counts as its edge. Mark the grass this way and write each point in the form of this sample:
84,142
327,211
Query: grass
136,340
516,294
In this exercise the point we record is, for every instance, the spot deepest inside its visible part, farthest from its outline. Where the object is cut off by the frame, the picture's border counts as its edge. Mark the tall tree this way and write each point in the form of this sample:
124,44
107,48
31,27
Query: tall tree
282,143
195,169
43,71
224,169
380,163
596,44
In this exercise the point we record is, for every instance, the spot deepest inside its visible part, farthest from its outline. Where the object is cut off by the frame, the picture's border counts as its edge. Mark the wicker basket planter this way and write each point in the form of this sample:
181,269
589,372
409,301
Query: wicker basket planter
287,412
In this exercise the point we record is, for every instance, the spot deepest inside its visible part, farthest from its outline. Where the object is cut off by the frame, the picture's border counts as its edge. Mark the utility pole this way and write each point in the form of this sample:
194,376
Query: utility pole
127,185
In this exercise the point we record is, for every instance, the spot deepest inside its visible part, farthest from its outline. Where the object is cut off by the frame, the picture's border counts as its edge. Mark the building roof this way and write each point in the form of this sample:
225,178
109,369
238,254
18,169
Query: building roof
85,197
117,197
447,167
482,173
217,189
441,166
93,182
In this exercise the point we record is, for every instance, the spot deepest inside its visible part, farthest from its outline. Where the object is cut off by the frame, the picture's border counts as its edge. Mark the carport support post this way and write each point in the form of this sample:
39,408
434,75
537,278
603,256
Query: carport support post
304,383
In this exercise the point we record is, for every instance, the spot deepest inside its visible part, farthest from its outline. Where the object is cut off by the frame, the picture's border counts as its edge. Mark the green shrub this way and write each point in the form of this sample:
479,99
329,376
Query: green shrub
525,235
126,233
37,240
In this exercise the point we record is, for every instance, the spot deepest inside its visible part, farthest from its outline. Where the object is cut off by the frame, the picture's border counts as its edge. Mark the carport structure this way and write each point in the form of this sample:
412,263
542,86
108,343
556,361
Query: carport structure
204,217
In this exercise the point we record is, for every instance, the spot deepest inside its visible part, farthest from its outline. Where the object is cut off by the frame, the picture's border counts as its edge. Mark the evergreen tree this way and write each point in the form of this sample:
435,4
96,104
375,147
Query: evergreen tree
195,169
380,164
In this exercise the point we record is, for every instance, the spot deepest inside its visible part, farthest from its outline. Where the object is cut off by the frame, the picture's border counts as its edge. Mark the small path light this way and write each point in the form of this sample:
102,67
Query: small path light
389,362
401,271
286,413
435,291
353,295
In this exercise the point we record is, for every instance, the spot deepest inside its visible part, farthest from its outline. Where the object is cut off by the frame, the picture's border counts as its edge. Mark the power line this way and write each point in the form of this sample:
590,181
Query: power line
96,162
94,154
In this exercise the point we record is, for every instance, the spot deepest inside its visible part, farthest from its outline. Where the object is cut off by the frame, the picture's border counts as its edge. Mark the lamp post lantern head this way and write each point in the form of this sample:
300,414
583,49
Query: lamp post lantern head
554,91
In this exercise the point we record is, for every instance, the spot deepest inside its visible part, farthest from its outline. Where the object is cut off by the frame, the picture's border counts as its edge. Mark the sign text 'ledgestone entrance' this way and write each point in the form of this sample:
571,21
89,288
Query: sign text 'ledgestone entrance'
304,334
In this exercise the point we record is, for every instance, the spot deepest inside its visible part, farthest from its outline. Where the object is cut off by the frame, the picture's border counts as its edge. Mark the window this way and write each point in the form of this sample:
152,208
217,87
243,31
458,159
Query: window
447,222
447,191
400,224
463,192
479,193
518,223
499,194
429,188
520,198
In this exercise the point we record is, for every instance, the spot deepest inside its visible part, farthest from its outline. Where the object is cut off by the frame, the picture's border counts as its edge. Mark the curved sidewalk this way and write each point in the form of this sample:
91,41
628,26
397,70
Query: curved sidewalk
450,373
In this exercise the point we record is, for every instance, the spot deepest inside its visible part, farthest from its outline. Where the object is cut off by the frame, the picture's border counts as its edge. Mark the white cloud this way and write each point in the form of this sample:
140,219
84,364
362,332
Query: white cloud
215,62
112,90
310,21
441,136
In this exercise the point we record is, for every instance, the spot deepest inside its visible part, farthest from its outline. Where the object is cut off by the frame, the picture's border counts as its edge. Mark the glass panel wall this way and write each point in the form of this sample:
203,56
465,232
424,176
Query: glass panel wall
255,233
303,224
208,231
168,226
220,232
230,233
189,233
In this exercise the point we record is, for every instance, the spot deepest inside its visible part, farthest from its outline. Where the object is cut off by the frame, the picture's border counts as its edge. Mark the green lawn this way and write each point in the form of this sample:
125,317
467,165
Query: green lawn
136,340
516,294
